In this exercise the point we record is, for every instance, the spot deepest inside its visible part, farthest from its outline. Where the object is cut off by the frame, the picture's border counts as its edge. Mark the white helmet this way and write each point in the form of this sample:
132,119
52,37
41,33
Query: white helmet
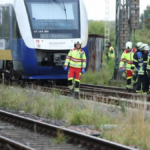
142,46
129,45
138,45
146,48
78,42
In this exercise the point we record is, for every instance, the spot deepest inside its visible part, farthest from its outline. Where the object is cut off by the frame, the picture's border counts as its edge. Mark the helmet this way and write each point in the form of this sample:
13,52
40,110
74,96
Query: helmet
142,46
129,45
78,42
138,45
146,48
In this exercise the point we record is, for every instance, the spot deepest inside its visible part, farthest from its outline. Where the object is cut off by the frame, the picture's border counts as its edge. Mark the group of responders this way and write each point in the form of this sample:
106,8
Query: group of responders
137,63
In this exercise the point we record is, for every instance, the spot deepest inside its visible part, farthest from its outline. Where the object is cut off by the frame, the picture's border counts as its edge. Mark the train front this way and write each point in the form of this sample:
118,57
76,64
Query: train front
54,25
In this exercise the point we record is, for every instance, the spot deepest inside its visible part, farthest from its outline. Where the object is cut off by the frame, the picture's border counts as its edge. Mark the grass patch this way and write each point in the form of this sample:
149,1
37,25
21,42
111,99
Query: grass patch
51,106
102,77
131,130
134,131
60,138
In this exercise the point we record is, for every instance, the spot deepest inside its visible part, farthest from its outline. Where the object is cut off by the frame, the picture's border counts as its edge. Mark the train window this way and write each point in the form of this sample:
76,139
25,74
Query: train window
6,23
16,32
1,22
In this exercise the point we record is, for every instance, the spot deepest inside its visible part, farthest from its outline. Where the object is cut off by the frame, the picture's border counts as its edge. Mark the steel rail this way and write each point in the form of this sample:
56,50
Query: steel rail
8,144
102,86
87,141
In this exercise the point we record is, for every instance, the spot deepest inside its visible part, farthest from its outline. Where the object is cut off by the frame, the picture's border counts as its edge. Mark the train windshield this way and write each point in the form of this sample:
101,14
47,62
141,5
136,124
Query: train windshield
54,18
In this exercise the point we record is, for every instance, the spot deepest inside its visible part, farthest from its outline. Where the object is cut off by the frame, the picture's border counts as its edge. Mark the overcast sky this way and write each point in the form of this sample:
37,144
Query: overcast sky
96,8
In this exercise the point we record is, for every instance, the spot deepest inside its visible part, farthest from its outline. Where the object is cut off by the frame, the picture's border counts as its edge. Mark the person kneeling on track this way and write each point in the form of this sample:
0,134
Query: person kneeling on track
76,60
127,57
140,62
135,73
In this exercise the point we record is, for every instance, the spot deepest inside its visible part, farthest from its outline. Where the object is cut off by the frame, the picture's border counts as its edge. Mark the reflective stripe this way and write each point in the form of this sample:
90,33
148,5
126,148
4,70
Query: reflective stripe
122,59
77,80
68,57
76,89
138,91
71,87
75,65
70,78
128,86
135,60
134,81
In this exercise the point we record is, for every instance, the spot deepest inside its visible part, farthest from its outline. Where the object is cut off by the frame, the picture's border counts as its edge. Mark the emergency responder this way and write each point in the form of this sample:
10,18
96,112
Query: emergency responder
76,60
111,51
127,57
135,73
140,62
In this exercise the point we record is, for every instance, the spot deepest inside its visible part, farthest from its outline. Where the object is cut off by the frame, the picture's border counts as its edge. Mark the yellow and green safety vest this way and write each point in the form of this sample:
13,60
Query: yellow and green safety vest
128,58
111,52
76,58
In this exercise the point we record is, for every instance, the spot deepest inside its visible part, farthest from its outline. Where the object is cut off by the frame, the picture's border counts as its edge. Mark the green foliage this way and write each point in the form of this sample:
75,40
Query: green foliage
147,21
86,116
142,36
145,18
51,106
147,12
96,27
102,77
60,138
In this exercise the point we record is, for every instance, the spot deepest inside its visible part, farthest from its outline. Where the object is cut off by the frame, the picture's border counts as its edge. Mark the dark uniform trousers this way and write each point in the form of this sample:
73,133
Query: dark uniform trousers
142,84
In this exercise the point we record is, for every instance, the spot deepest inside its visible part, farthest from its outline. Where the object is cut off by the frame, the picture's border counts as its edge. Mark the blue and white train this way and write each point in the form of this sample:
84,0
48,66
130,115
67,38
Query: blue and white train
36,36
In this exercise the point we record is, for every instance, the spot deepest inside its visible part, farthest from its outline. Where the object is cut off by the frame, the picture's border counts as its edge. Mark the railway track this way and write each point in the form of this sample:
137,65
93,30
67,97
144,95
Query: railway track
110,95
95,92
20,133
104,94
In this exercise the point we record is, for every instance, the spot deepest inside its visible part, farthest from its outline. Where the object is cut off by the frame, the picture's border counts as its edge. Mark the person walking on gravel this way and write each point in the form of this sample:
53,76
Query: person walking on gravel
76,60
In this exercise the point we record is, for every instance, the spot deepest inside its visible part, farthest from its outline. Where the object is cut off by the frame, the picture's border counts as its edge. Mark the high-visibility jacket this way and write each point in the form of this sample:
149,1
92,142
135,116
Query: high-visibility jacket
148,62
76,58
134,59
140,62
127,57
111,52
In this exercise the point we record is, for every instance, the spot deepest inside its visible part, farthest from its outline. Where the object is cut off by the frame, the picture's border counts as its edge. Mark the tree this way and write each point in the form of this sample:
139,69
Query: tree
144,17
96,27
147,23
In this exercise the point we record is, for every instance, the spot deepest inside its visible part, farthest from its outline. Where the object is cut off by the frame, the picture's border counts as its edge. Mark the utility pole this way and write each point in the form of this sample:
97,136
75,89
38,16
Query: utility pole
127,20
107,30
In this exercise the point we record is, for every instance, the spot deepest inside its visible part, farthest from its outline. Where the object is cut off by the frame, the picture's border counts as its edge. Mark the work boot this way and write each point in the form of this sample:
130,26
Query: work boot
71,93
76,95
128,90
